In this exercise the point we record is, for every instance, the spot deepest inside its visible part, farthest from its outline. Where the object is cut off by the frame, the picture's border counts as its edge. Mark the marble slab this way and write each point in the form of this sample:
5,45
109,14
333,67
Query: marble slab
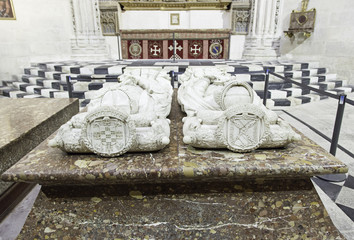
229,210
175,163
25,123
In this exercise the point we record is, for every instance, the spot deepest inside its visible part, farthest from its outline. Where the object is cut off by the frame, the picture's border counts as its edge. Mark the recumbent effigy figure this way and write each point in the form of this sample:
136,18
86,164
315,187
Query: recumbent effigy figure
130,116
225,113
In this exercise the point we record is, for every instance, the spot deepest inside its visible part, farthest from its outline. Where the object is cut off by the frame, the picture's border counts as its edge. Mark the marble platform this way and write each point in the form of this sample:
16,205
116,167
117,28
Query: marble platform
175,163
179,193
25,123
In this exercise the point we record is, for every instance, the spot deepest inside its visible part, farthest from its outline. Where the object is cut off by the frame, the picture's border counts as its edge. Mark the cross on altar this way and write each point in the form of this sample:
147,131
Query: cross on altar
179,48
195,49
155,50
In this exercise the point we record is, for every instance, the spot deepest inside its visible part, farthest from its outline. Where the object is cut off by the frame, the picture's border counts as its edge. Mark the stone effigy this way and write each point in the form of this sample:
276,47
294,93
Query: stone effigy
129,116
223,112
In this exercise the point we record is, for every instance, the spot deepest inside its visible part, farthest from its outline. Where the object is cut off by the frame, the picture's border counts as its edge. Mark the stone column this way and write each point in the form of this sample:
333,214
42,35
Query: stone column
263,40
88,42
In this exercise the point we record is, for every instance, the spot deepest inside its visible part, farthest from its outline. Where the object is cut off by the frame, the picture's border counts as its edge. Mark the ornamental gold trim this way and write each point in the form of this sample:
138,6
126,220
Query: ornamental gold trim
8,11
183,5
174,19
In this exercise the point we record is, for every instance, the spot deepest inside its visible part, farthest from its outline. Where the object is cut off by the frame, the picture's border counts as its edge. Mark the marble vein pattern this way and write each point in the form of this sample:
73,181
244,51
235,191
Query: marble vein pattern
130,116
223,112
228,210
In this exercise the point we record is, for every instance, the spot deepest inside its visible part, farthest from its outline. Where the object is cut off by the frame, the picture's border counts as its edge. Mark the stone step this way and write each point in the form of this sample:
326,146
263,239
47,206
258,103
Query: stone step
8,83
48,79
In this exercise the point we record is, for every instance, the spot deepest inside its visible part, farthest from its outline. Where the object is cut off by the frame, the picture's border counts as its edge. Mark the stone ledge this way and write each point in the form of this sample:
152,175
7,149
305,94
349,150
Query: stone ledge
25,123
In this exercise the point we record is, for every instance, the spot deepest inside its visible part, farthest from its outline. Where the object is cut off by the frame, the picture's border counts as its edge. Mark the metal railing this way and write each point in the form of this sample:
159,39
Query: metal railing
342,99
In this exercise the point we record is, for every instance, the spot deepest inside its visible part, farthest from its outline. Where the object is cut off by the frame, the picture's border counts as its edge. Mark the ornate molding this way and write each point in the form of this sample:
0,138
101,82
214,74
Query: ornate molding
163,34
176,5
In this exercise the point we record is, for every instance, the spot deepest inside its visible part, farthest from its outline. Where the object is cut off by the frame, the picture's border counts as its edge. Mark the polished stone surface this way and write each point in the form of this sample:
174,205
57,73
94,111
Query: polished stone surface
175,163
289,209
27,122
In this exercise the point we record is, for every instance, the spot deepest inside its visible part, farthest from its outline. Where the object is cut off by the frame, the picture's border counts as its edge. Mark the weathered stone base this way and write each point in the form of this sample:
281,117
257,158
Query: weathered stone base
228,210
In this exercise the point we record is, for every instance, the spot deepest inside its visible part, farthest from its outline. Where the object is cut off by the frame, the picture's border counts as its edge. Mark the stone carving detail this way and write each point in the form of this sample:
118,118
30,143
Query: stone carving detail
241,21
225,113
240,16
109,22
276,19
108,132
127,117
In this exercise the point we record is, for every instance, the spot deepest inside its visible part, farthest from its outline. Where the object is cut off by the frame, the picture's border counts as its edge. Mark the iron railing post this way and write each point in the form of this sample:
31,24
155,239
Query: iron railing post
69,86
172,75
266,83
334,142
338,124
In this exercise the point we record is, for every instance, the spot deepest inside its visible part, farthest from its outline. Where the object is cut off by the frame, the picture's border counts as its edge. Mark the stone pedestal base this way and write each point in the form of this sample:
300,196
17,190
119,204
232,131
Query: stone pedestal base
283,209
261,48
89,48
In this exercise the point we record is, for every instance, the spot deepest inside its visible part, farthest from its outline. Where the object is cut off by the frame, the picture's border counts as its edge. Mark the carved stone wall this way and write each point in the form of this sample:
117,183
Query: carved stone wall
263,40
88,42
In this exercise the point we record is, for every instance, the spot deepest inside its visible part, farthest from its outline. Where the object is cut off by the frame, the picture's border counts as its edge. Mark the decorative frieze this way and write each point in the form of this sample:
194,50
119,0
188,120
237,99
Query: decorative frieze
175,5
189,44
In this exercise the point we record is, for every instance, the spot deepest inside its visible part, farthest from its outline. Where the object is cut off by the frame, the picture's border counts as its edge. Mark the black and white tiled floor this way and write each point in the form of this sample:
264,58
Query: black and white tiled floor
338,197
48,79
341,193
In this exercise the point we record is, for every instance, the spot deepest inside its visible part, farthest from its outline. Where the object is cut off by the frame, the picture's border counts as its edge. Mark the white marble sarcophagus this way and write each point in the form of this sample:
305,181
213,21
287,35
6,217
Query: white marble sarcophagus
223,112
129,116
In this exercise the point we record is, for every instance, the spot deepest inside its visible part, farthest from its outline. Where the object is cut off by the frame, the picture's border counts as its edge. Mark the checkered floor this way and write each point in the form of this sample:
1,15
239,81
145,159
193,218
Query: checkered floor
48,79
341,193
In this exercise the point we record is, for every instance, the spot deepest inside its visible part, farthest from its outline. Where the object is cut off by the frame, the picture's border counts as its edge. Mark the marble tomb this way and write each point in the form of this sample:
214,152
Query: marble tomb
128,116
224,112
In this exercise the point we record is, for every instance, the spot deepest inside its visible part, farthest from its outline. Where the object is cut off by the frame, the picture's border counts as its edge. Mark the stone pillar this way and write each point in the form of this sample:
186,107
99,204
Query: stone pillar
88,42
263,40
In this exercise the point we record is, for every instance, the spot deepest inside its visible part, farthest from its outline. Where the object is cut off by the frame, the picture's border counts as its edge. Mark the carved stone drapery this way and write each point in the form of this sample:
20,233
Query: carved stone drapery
88,42
263,40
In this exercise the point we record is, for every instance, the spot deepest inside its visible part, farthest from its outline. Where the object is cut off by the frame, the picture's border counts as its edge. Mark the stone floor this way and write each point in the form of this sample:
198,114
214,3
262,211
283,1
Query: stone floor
337,197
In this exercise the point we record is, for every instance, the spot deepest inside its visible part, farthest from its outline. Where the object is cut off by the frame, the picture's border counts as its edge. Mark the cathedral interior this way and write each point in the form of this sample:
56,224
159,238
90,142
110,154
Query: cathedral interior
296,55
